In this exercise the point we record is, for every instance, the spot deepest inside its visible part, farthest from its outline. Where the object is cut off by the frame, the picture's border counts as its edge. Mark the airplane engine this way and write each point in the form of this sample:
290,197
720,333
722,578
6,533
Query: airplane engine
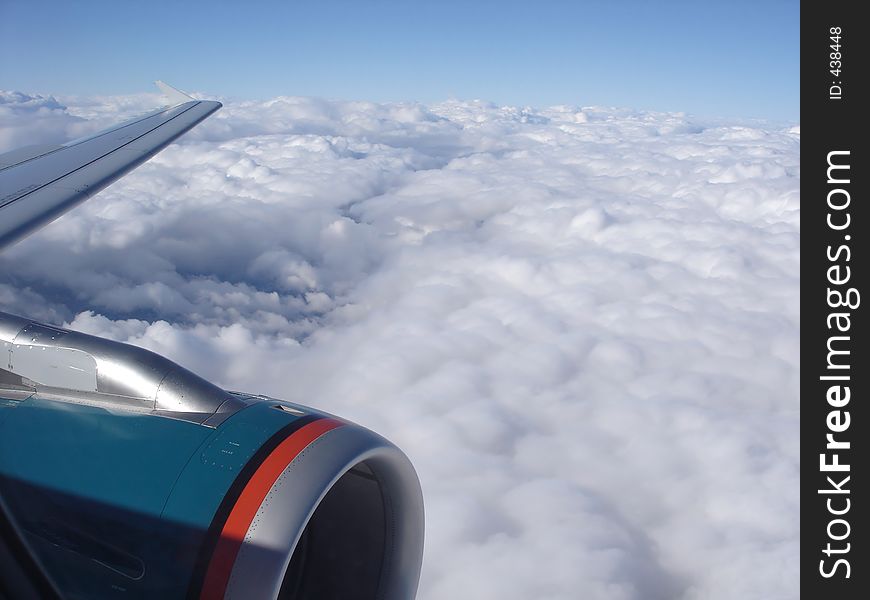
128,476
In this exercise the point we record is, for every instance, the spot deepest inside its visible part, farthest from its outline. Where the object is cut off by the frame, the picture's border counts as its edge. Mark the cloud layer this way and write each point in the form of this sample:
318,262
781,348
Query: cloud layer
581,324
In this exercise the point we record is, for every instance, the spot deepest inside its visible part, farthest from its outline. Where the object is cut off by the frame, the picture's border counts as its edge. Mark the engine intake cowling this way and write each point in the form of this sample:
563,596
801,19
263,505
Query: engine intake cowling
243,497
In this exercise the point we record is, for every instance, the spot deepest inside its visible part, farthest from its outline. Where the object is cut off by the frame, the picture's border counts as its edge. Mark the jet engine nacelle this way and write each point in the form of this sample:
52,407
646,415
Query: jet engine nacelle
130,477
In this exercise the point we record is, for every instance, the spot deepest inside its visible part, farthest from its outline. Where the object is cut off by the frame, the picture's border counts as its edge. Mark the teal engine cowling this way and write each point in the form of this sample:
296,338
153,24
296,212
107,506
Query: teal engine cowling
129,477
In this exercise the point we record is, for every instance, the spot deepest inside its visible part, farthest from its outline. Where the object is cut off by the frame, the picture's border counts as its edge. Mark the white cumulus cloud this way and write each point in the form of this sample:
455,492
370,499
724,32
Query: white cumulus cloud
580,323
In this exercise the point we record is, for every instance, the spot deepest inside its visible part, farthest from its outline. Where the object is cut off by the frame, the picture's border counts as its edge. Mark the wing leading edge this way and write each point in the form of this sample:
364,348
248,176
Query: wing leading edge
39,184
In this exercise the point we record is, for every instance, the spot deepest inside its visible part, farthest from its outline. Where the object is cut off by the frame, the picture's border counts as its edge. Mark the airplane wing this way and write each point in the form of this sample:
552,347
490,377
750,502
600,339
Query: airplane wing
40,183
124,475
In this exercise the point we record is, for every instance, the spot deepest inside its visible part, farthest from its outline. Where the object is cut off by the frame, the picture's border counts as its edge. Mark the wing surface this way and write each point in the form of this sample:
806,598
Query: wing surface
40,183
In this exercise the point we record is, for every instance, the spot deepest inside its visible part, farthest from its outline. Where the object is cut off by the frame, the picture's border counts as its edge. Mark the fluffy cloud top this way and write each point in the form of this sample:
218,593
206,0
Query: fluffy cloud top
580,323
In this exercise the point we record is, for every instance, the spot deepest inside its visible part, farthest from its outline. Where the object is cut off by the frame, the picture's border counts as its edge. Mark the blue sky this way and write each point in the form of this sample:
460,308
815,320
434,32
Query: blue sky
730,59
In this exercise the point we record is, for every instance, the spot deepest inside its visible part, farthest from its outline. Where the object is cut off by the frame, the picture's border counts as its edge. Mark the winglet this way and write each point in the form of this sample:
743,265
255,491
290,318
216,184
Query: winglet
175,96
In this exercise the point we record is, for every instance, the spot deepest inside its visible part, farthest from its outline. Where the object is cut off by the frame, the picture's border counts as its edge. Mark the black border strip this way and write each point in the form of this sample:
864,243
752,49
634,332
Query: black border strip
835,221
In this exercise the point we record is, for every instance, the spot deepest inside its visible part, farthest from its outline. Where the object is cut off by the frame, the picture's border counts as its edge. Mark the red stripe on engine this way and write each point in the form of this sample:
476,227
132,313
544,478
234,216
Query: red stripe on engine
242,514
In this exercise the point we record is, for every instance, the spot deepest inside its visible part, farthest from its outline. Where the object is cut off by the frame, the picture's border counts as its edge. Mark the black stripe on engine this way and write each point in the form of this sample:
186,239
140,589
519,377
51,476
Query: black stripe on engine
212,536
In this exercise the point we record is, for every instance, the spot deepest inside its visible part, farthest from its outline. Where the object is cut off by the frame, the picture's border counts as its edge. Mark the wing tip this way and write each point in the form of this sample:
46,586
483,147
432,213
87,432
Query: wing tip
175,96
